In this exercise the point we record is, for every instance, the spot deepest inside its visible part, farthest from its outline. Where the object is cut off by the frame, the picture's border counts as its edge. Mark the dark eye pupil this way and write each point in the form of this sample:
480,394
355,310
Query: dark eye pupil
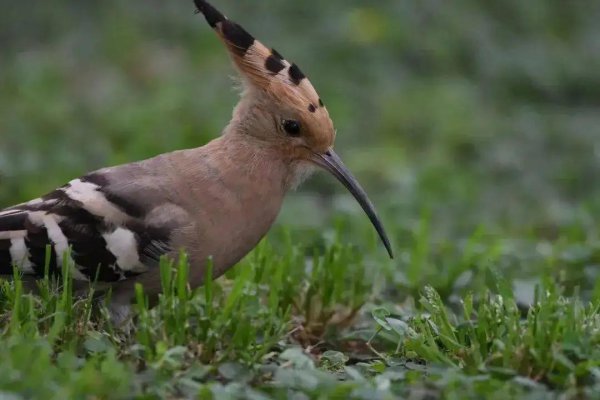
292,127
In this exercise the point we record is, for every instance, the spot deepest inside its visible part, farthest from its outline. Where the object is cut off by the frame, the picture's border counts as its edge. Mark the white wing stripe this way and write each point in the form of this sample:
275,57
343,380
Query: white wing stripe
20,255
12,235
123,245
94,201
61,245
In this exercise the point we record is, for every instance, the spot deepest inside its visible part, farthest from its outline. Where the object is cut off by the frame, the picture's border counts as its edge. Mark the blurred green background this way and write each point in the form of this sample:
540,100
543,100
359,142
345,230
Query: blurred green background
471,113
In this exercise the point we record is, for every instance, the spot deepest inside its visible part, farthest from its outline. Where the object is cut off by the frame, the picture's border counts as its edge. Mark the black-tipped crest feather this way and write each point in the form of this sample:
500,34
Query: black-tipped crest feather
239,39
237,36
296,75
212,15
274,65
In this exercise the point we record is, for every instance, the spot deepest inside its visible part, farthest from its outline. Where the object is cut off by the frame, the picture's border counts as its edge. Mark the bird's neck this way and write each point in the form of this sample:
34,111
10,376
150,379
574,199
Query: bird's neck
234,165
252,160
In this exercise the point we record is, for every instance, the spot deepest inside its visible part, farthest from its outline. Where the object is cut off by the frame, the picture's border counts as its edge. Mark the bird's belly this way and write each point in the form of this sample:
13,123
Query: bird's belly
226,243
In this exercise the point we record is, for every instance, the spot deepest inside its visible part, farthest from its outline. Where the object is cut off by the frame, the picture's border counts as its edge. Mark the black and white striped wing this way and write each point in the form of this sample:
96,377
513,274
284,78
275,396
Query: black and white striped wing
104,233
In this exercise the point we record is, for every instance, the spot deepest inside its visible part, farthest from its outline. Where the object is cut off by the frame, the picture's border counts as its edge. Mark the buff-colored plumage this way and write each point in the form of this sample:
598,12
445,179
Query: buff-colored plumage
216,201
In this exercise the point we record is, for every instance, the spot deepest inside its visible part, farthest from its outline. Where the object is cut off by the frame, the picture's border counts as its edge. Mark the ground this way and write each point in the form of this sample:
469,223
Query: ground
474,127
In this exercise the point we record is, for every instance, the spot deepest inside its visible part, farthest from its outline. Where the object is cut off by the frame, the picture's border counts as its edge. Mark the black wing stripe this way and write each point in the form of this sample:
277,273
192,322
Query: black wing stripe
13,222
37,241
89,251
128,207
5,258
152,242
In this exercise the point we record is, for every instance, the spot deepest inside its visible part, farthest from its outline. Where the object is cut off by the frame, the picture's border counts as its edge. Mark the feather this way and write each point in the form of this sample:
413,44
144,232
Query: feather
102,231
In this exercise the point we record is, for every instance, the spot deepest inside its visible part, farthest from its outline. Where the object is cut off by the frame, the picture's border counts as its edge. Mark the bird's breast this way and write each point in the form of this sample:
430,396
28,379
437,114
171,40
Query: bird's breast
232,206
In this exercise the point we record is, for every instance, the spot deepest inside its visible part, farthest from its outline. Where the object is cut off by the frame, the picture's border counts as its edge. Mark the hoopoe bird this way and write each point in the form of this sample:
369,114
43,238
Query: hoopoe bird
216,201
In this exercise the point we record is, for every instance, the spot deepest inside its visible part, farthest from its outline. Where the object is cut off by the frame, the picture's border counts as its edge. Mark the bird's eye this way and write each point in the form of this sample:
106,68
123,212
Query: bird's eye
292,127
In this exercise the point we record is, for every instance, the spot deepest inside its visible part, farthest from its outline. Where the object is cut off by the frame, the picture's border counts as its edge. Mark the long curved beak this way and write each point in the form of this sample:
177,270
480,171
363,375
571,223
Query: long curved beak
331,162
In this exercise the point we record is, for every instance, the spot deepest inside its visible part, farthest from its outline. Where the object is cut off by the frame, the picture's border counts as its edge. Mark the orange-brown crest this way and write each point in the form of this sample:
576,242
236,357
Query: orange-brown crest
288,94
265,69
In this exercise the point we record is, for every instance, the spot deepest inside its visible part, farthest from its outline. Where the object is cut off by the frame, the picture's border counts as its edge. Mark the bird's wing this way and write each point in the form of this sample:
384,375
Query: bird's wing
109,222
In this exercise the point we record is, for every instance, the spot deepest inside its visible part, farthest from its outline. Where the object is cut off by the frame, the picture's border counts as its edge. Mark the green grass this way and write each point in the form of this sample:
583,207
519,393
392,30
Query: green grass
474,127
325,324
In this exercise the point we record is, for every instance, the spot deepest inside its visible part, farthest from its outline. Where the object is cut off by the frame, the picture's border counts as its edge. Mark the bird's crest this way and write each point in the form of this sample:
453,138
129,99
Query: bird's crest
261,66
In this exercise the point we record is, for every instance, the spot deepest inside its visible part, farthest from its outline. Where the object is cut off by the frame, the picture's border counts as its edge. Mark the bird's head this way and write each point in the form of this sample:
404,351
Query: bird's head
280,105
